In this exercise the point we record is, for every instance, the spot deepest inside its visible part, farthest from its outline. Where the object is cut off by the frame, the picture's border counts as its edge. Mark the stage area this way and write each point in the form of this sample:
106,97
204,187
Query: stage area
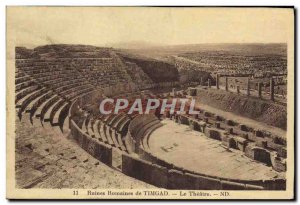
192,150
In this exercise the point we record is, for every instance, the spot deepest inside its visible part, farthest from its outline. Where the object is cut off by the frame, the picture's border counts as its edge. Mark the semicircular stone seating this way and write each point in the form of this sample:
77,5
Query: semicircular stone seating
257,145
45,88
130,134
109,129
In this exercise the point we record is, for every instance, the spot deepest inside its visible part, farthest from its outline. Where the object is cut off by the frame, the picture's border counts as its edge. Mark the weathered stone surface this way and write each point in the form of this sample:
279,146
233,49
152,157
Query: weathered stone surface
53,161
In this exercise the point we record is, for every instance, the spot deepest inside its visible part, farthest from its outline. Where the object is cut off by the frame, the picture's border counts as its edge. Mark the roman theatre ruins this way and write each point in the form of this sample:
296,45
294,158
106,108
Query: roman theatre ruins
62,140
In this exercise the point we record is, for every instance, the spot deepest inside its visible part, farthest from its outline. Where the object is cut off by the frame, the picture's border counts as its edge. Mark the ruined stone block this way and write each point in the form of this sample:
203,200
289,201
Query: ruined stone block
229,130
241,143
261,143
278,163
259,133
212,133
259,154
243,127
283,152
218,118
229,122
217,125
225,140
207,114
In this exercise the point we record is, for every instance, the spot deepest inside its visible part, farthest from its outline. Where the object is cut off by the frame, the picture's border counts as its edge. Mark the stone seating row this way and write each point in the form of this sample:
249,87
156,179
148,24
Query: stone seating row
146,131
26,91
24,85
107,129
29,99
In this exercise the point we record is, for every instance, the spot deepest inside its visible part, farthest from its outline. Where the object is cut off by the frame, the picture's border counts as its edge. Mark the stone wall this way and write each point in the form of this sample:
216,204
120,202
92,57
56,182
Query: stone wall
178,178
98,150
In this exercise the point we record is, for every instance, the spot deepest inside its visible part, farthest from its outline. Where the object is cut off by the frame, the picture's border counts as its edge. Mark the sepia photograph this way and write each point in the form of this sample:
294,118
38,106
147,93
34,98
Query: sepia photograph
150,102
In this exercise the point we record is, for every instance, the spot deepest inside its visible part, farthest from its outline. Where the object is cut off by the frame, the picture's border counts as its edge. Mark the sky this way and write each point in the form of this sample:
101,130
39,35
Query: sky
101,26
